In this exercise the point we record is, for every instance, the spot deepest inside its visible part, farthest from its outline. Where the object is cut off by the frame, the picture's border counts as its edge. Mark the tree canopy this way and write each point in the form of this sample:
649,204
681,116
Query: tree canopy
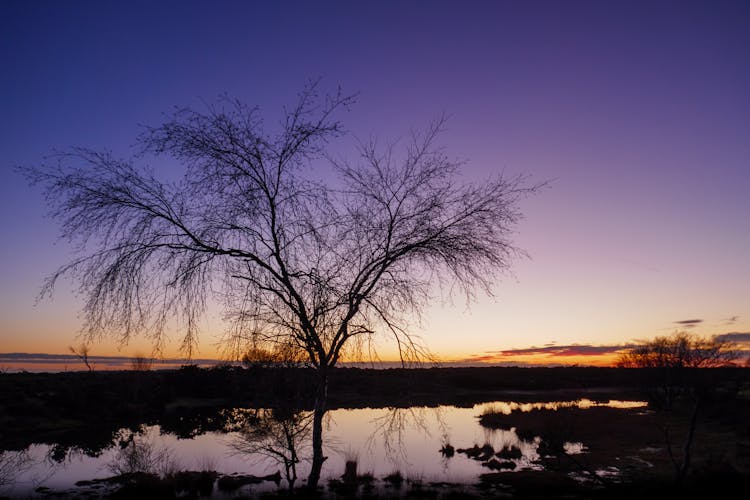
299,259
680,350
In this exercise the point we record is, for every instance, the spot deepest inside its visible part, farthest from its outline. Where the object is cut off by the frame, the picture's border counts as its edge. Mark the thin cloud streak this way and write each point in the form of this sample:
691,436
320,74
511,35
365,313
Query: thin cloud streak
41,362
738,337
549,354
689,323
566,350
558,353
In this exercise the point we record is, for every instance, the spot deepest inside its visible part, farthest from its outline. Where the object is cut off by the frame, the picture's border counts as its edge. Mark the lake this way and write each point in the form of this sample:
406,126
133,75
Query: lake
371,442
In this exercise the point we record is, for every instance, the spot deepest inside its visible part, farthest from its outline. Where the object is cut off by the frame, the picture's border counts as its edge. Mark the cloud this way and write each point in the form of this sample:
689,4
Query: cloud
739,337
550,354
42,362
562,350
689,323
553,354
731,320
484,358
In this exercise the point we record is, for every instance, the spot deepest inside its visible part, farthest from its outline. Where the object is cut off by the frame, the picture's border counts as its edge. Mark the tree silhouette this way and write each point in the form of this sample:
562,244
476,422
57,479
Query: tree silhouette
304,251
675,386
82,352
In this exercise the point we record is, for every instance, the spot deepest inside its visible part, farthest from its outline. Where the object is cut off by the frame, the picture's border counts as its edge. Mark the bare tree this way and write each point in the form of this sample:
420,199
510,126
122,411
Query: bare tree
673,362
680,350
281,356
141,363
82,352
314,265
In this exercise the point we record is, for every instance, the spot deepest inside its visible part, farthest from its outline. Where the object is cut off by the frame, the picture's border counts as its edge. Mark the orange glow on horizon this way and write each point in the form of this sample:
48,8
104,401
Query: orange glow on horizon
602,360
124,361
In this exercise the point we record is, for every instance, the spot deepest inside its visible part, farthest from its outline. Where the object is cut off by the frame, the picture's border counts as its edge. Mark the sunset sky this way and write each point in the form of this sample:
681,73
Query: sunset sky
636,113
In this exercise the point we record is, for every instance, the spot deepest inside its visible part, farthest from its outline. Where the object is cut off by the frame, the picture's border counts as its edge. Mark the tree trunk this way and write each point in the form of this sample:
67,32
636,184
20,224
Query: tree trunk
685,466
317,432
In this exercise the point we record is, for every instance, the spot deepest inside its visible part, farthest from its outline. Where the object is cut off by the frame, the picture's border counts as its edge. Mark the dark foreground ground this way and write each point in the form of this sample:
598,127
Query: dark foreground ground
84,410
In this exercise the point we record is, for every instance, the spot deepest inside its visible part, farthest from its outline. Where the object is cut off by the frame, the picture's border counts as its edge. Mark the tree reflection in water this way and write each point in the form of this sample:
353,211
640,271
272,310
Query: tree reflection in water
13,464
419,443
284,435
280,435
391,428
140,452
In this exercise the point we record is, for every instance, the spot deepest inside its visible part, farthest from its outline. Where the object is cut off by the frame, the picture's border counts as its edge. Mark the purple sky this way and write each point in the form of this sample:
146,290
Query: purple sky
638,113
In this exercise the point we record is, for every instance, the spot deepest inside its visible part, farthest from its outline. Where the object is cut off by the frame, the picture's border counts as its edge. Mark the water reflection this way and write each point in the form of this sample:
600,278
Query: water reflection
143,452
279,435
391,428
23,470
508,407
12,464
504,449
572,437
389,446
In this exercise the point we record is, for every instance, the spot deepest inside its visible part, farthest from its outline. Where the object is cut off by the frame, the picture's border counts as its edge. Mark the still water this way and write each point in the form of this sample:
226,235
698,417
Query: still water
380,440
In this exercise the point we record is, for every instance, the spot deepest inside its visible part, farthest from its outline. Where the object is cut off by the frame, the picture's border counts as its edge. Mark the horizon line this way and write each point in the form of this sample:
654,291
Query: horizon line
48,362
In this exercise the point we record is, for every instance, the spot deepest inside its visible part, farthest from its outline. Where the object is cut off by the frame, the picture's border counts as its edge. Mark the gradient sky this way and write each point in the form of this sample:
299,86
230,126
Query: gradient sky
638,113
